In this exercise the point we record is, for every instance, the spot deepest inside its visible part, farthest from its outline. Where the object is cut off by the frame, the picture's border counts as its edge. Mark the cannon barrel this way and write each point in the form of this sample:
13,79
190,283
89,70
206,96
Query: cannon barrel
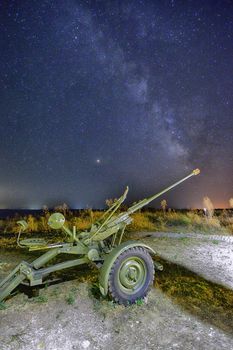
146,201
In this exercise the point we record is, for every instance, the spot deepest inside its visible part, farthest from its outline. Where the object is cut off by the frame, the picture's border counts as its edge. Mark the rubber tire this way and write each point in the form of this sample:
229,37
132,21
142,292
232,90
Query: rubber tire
114,289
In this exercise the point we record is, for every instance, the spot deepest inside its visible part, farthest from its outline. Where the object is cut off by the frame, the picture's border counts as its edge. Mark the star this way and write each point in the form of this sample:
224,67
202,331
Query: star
131,94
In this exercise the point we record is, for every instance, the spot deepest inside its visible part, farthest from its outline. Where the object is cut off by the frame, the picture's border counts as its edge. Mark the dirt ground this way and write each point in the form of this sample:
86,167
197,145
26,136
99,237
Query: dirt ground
209,256
182,310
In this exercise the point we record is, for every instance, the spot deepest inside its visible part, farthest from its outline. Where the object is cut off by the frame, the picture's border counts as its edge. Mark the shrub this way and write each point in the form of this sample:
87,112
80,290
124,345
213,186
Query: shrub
140,222
70,299
33,224
177,219
231,202
209,207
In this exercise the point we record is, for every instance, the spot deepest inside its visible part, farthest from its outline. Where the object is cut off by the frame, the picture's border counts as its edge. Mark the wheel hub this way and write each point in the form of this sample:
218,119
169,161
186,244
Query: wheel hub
132,274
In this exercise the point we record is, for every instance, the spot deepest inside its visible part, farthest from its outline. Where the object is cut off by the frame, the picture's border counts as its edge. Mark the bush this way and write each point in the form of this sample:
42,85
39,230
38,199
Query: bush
177,219
141,222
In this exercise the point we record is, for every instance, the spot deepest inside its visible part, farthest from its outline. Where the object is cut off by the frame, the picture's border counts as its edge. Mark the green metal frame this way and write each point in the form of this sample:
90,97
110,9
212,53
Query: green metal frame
101,244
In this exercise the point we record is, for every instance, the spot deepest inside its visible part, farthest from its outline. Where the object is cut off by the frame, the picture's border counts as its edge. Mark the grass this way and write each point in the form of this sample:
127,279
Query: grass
140,302
177,221
215,242
70,299
141,222
40,299
171,220
2,306
208,300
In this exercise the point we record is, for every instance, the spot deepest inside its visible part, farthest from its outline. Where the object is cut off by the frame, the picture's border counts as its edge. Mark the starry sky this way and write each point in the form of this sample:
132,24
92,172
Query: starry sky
96,95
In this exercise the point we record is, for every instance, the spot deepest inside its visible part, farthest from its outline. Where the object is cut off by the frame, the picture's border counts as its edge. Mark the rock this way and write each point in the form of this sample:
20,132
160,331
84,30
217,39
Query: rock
85,344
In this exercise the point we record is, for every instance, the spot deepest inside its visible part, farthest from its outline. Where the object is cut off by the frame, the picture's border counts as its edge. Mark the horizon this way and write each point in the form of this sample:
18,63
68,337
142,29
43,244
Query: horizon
104,208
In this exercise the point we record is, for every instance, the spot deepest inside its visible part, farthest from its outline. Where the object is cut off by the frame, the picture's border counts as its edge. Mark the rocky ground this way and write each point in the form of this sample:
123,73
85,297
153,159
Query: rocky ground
209,256
182,311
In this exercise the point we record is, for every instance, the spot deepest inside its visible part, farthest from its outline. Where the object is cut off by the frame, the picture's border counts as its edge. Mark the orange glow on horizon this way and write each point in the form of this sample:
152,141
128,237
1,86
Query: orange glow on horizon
218,205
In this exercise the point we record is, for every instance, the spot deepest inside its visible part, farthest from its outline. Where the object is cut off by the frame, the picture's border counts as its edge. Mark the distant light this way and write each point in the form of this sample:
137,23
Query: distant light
34,206
77,206
98,161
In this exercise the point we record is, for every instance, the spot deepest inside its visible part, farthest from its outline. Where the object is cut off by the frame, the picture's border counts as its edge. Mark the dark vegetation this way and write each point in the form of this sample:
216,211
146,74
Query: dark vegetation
209,301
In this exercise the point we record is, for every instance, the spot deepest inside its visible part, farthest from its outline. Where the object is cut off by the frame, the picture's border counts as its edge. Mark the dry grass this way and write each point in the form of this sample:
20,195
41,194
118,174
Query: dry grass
176,221
141,222
173,221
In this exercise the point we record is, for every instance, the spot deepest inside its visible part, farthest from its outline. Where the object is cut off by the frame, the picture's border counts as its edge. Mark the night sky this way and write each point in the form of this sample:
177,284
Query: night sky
97,95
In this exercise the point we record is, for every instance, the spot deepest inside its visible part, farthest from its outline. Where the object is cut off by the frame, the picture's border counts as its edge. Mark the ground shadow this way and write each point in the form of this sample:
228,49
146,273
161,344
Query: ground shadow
209,301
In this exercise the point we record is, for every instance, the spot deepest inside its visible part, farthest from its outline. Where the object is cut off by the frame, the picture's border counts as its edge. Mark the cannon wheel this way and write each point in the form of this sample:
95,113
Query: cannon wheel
131,275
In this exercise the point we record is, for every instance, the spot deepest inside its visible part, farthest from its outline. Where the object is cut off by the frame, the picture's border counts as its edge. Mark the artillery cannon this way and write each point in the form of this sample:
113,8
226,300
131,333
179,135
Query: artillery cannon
126,269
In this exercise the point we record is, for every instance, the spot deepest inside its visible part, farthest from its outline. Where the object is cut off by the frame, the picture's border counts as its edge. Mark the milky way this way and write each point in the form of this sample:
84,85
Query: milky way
97,95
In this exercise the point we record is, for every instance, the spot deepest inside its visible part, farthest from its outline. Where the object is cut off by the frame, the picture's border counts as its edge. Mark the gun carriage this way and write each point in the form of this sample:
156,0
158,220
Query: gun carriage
126,269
